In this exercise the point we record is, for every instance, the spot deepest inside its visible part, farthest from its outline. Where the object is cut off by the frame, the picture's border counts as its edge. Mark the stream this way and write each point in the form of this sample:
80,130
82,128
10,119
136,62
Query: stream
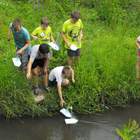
100,126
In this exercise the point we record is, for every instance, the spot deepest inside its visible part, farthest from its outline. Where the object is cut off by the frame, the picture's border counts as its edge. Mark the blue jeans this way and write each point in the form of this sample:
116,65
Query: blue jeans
24,57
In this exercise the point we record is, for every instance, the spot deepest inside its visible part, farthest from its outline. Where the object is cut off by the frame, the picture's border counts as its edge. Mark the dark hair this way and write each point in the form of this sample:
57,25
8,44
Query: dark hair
66,68
44,20
75,15
44,48
16,22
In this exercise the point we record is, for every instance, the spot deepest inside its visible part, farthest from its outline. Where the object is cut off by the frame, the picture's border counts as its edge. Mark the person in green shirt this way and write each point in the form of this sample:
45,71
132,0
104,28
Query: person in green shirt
72,34
43,34
22,41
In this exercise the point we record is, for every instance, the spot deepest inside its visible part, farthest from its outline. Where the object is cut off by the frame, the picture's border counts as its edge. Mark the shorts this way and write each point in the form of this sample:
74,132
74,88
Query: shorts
52,83
72,53
39,63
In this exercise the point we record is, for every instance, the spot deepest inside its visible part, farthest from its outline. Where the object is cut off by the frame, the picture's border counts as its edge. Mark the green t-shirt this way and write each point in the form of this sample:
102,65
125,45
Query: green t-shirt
72,32
44,36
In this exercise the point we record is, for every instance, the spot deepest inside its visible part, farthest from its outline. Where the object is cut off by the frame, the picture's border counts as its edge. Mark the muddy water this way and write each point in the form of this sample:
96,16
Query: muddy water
90,127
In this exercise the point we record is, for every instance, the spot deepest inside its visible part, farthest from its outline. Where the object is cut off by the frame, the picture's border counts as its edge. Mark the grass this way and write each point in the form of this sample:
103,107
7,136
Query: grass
105,75
130,131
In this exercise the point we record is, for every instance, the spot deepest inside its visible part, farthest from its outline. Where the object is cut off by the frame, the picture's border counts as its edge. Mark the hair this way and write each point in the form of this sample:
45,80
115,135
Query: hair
44,48
44,20
75,15
66,68
17,22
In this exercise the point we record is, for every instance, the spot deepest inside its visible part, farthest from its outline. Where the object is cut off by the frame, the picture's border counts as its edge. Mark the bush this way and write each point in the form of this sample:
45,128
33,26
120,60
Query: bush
105,75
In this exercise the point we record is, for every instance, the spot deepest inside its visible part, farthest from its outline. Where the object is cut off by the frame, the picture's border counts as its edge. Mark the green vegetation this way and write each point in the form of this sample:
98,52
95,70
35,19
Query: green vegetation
105,75
130,131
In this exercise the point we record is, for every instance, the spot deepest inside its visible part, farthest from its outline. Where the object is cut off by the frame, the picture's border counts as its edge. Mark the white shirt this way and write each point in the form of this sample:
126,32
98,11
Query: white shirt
56,74
35,53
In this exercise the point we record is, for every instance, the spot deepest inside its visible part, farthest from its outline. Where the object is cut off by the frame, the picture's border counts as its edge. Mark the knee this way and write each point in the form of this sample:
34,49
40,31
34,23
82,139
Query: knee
65,82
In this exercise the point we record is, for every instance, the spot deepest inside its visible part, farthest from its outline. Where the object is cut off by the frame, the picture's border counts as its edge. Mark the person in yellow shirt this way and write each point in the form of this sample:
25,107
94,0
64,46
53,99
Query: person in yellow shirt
72,34
43,34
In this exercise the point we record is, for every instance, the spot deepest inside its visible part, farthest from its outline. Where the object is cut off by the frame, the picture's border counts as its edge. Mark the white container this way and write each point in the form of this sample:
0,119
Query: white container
66,113
73,47
54,46
71,121
16,61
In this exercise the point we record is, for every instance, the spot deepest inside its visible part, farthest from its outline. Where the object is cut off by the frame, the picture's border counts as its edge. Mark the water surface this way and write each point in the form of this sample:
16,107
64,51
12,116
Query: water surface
90,127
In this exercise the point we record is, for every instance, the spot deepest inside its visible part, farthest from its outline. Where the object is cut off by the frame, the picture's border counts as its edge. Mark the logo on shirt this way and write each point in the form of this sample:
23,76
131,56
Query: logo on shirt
42,34
74,33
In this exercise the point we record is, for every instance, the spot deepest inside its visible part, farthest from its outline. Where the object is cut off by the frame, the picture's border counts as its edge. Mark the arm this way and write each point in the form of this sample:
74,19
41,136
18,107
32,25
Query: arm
29,66
46,65
9,34
65,38
34,37
72,75
52,38
59,88
81,31
34,34
24,47
46,74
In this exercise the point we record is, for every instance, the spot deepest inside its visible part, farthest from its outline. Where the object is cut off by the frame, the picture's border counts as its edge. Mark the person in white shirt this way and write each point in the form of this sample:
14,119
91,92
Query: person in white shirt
61,76
38,64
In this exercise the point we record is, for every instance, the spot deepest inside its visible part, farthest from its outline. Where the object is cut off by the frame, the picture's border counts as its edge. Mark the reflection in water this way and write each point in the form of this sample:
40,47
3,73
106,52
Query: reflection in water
90,127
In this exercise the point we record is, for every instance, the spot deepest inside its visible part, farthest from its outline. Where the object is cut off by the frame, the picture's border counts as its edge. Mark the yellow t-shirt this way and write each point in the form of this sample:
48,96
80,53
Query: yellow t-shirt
44,36
72,32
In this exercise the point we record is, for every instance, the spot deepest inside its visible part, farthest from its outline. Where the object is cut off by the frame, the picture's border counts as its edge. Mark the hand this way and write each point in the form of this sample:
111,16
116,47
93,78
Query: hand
28,75
35,37
19,52
62,102
73,81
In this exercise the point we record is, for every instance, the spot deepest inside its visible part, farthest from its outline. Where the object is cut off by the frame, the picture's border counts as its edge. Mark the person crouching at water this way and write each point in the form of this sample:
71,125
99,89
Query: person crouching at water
60,76
138,59
38,65
22,41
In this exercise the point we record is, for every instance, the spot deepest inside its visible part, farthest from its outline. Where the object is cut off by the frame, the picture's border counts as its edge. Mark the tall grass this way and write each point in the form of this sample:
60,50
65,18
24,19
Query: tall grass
105,75
130,131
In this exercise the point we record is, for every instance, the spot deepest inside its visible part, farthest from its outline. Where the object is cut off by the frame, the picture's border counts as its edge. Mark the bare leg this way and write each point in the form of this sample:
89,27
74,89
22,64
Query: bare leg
70,60
36,72
77,58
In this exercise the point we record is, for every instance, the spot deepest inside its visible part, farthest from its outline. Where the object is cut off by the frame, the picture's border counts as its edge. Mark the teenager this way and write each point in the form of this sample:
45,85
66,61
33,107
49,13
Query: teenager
21,39
43,34
72,34
38,65
61,76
